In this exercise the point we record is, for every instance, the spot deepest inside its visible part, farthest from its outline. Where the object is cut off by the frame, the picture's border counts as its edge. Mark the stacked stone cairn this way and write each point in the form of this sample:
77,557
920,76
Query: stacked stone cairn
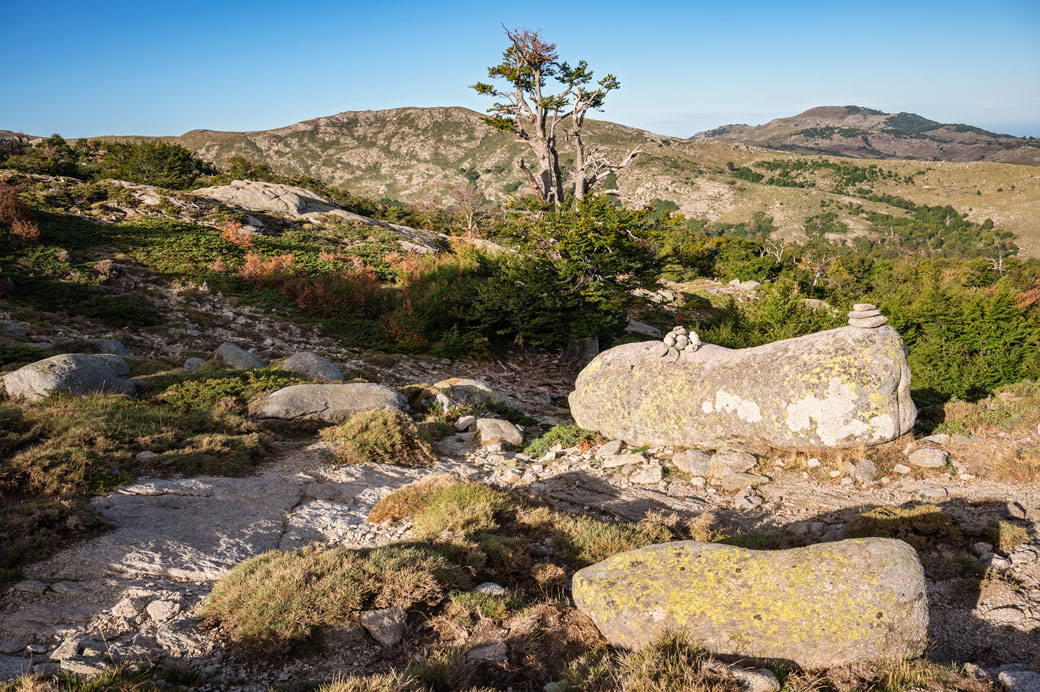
866,316
682,340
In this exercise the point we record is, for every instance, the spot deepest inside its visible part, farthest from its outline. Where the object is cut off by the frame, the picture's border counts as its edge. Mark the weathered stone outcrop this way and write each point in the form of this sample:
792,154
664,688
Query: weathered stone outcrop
312,366
492,430
298,203
73,373
825,605
472,392
332,403
232,356
837,388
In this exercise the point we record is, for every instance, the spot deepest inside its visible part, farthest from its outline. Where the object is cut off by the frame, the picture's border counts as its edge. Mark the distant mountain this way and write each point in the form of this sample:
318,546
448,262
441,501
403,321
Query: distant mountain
420,155
868,133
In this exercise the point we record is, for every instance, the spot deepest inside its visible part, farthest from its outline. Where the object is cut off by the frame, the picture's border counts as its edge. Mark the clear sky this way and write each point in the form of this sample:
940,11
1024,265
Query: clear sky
159,68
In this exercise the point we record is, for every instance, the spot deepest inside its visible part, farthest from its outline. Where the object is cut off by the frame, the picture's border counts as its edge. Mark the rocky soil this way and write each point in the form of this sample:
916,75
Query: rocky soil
135,591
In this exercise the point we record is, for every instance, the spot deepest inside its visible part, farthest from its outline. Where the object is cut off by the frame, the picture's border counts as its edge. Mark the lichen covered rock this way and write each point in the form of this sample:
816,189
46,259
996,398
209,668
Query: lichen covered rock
838,388
473,392
820,606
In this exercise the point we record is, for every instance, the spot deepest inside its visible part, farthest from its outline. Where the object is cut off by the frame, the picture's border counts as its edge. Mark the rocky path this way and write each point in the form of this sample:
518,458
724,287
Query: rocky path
135,591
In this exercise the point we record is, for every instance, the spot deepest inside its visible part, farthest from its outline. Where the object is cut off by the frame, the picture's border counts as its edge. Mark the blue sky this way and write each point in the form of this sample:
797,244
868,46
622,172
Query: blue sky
89,68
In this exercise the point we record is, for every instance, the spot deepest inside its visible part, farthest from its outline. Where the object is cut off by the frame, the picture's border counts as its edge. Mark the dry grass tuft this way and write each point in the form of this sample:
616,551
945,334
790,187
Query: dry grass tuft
672,664
1005,536
410,499
279,600
383,436
918,525
233,232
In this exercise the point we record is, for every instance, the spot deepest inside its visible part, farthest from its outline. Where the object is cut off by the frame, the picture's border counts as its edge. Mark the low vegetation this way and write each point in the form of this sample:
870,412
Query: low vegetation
565,436
379,437
465,533
56,453
282,599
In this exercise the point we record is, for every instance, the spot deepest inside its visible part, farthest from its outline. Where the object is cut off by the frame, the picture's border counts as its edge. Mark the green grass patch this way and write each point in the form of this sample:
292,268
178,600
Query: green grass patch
280,600
564,435
382,436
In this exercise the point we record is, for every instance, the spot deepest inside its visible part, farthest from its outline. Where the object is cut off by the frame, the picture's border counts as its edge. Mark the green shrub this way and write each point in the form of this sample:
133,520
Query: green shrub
563,435
52,156
382,436
228,388
154,162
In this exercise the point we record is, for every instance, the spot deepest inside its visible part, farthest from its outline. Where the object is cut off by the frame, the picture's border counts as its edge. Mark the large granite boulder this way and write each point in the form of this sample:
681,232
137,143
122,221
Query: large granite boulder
73,373
821,606
312,366
472,391
838,388
232,356
111,347
332,403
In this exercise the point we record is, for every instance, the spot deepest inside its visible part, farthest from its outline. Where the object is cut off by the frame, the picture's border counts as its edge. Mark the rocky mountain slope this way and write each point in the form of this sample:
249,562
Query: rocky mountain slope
421,154
873,134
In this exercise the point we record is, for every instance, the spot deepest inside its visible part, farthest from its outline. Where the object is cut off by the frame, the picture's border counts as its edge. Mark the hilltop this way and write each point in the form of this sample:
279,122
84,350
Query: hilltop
868,133
419,155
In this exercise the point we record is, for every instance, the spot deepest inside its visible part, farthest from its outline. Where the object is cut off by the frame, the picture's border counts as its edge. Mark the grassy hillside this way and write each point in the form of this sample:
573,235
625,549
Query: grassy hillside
422,154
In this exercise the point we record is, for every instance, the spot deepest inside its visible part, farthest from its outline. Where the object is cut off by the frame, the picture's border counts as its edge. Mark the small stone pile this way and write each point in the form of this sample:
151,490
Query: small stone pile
866,316
682,340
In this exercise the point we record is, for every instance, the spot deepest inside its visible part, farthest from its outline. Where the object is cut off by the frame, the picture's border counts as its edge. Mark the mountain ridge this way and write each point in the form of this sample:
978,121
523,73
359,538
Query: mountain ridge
860,132
426,155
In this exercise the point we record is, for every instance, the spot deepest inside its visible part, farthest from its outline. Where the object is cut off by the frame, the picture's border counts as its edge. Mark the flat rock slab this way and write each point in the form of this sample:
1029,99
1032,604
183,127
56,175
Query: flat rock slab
473,391
323,521
1020,681
189,487
312,366
232,356
183,536
928,458
492,430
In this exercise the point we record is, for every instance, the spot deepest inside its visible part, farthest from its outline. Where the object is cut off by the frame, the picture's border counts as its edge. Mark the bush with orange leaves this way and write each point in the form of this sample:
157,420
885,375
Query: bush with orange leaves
261,271
351,294
16,215
233,232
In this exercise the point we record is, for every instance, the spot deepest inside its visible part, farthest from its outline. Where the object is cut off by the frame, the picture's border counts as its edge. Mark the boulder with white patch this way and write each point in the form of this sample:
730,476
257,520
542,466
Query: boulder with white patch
839,388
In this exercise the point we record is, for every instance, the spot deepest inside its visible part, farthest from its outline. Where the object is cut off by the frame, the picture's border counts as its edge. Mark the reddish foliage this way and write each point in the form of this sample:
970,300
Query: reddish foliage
25,230
232,232
16,215
272,270
351,294
403,328
1029,298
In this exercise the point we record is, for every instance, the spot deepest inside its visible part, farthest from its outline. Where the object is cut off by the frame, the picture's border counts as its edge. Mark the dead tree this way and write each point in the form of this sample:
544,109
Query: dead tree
527,109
